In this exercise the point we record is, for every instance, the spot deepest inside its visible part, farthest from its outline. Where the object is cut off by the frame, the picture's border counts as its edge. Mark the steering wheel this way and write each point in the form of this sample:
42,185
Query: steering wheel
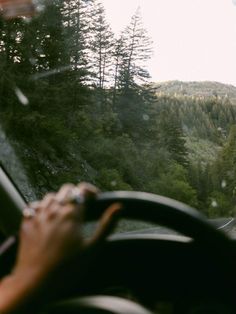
161,210
182,270
189,270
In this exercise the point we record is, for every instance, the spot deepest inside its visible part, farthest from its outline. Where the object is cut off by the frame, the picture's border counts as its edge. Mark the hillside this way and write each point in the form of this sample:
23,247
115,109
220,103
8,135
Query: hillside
206,111
197,89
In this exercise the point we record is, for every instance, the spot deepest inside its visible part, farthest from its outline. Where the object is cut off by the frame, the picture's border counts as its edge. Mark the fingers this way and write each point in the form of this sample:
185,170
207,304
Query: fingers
69,192
37,207
62,206
48,200
34,205
68,201
47,207
106,224
88,190
64,192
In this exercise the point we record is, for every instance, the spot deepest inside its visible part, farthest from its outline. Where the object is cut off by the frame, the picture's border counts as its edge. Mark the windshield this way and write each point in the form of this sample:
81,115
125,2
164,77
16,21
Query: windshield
128,95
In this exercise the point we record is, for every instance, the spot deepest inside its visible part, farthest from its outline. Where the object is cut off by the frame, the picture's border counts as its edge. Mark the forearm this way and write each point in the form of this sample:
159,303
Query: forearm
19,290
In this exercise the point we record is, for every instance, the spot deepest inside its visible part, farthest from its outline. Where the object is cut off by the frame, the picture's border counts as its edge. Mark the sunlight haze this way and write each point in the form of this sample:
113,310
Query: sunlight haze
193,39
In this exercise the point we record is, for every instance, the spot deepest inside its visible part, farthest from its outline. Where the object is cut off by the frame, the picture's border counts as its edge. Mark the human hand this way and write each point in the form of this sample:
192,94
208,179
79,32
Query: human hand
54,233
47,238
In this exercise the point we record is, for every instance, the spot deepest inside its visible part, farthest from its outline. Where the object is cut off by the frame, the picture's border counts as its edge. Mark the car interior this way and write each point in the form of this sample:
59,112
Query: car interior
77,103
173,273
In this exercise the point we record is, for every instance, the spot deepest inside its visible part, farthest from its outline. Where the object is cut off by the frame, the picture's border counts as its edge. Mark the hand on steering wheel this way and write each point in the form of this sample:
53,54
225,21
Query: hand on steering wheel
54,232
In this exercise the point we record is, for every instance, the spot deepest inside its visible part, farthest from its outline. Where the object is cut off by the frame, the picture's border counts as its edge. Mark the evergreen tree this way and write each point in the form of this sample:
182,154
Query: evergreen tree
119,54
132,50
138,50
78,25
170,135
224,169
101,47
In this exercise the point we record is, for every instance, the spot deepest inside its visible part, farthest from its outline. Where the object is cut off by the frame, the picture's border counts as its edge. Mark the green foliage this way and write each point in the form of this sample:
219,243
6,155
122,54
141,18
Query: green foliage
92,116
174,184
201,150
224,174
220,205
110,179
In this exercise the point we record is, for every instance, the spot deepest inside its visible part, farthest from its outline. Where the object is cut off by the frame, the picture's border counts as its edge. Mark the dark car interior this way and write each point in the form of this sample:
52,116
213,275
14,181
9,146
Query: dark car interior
192,273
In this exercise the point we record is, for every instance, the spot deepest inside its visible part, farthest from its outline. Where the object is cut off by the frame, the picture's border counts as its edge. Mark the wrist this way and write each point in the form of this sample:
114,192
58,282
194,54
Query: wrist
19,289
31,276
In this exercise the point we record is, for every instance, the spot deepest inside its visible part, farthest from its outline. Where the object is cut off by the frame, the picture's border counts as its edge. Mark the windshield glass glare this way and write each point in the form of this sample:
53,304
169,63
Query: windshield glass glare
128,95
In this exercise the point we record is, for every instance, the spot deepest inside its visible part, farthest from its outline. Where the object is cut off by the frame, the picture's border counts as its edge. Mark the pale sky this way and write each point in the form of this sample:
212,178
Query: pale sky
193,39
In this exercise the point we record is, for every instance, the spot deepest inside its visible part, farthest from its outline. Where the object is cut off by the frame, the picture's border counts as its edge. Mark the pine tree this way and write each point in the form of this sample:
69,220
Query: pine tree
119,54
170,135
224,168
101,47
137,46
77,16
132,50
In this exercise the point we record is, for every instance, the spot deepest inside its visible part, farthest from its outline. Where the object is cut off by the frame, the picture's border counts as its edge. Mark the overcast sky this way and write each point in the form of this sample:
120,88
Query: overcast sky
193,39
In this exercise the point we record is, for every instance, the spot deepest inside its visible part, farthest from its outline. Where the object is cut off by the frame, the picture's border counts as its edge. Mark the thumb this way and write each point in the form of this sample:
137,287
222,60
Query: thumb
106,224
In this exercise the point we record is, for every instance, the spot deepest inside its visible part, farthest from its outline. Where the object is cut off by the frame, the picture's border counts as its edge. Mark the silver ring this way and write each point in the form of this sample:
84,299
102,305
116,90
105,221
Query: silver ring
75,198
78,199
28,212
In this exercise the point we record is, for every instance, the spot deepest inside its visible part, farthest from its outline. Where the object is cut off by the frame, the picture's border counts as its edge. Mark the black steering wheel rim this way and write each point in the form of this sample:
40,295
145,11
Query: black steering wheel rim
163,211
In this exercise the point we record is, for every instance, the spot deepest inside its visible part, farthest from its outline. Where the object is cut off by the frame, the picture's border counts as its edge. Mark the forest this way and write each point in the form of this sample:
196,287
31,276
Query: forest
78,104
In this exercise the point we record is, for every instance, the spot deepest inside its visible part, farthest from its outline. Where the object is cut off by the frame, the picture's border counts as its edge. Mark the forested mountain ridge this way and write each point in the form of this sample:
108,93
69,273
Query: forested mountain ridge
208,125
197,89
206,111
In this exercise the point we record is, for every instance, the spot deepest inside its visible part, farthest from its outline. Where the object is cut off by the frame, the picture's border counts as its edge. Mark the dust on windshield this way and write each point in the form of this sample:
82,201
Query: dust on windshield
78,102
